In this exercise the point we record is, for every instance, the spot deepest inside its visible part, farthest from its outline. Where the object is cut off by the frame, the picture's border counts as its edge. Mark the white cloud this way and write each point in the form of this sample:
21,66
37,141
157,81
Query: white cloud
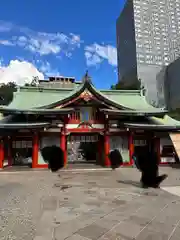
42,43
47,69
95,54
92,59
6,43
20,72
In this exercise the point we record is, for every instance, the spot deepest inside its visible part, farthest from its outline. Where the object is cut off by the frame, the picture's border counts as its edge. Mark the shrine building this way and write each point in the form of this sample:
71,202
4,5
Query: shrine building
85,122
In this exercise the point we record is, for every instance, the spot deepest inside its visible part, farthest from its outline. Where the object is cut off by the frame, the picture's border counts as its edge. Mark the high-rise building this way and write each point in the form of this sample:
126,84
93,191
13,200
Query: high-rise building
148,33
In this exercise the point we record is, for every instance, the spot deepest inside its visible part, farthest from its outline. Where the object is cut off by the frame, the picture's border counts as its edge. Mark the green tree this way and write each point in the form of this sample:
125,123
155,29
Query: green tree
33,83
6,92
122,86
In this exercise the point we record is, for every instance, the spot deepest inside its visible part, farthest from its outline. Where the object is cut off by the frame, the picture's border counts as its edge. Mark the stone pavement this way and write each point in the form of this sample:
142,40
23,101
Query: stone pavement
88,205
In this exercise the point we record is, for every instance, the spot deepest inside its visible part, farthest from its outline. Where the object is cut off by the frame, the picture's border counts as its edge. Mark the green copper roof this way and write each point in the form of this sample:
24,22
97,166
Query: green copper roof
156,123
40,111
24,125
149,126
11,122
131,99
146,112
27,98
33,97
166,120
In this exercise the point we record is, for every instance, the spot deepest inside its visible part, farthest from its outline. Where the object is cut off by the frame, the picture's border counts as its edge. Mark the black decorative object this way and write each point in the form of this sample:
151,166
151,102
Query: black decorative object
54,156
115,158
147,163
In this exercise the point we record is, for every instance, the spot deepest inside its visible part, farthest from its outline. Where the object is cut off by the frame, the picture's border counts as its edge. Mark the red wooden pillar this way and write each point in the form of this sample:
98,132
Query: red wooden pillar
9,151
99,150
35,150
63,146
1,154
131,148
106,150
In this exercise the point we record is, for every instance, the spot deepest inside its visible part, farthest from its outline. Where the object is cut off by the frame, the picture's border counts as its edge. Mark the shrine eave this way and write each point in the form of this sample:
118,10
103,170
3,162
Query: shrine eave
143,126
36,111
24,125
112,112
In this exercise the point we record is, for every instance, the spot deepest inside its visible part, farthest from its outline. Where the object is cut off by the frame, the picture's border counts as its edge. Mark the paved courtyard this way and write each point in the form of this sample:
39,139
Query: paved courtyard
88,205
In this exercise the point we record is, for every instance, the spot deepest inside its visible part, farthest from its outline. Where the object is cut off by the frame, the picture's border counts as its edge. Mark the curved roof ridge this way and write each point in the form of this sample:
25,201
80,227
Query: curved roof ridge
42,89
143,97
110,100
134,93
121,91
47,98
165,120
39,98
89,86
168,118
71,94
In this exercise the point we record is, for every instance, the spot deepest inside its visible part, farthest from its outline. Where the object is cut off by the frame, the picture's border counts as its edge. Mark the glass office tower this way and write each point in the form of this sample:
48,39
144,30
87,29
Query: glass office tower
148,34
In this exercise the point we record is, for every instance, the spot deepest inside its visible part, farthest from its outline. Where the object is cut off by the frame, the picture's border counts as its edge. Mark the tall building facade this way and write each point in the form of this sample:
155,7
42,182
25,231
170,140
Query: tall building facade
171,86
148,33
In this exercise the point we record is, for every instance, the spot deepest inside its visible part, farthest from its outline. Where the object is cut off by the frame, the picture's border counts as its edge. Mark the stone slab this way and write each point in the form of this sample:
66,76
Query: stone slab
175,190
97,205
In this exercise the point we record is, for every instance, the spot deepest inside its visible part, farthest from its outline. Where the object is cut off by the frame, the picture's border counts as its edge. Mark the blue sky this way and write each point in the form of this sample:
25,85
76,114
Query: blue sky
59,37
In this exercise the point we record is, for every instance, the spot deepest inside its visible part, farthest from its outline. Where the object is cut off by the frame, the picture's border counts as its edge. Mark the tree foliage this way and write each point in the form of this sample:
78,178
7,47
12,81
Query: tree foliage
122,86
6,92
34,82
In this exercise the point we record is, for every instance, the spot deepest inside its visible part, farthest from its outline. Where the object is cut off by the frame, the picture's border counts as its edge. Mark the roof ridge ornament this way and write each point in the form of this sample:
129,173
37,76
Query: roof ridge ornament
86,95
87,78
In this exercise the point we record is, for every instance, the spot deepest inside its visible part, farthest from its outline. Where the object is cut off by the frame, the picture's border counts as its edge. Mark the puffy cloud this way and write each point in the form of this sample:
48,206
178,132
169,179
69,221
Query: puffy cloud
92,59
42,43
20,72
6,43
95,54
47,69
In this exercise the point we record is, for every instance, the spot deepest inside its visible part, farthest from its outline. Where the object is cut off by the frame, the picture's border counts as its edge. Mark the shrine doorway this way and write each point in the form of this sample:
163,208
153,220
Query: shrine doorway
21,152
83,149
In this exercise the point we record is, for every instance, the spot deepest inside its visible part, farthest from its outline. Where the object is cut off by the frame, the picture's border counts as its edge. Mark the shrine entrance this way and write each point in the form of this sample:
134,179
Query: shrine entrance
21,152
83,149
